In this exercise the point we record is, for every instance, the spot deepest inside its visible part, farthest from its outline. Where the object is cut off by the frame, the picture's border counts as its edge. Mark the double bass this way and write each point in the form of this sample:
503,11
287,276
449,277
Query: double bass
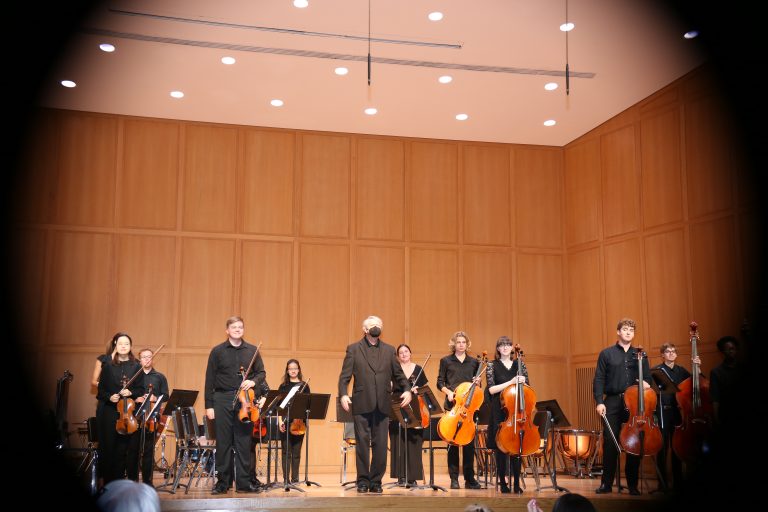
640,435
691,439
457,426
517,435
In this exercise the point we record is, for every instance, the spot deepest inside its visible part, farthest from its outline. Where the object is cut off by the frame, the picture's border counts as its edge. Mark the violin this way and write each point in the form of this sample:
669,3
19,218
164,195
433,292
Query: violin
692,437
517,435
298,427
126,423
149,424
457,426
249,411
259,429
640,435
423,408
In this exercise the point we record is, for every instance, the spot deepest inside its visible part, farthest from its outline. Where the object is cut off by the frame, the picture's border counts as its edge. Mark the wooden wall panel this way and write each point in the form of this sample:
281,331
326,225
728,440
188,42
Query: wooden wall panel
266,291
623,289
325,182
28,259
486,195
621,184
487,296
210,185
582,193
716,304
584,297
540,298
433,195
380,204
709,173
206,291
324,315
41,157
85,193
149,174
268,182
666,282
662,196
550,381
80,289
434,298
538,194
145,286
753,257
82,396
187,371
378,288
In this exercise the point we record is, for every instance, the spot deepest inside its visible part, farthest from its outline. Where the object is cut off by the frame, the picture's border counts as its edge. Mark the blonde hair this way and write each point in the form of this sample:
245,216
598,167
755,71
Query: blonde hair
457,334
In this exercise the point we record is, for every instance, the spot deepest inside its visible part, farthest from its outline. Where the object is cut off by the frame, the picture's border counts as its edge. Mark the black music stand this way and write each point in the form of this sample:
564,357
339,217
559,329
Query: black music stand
179,399
315,409
270,409
295,406
434,410
145,417
405,418
342,417
557,419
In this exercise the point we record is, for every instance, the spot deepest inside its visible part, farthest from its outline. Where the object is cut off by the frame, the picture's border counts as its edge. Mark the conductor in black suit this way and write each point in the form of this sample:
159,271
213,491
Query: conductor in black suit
373,365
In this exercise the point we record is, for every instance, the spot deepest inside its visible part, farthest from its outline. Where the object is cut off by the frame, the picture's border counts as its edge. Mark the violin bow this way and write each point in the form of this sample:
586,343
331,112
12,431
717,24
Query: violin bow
141,368
610,430
420,371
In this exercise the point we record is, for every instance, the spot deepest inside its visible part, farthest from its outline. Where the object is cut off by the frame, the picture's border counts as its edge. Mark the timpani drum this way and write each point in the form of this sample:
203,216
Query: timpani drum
578,446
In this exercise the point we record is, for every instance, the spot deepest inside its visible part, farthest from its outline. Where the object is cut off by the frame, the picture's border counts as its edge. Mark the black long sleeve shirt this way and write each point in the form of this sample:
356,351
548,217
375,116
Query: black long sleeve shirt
616,371
224,363
453,372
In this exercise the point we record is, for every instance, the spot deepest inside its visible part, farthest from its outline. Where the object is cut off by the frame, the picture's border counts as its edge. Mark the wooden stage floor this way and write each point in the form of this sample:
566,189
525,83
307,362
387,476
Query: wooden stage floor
332,496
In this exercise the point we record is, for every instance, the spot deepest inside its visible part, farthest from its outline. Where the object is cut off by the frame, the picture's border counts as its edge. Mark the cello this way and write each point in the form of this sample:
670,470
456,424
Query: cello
517,435
692,437
457,426
640,435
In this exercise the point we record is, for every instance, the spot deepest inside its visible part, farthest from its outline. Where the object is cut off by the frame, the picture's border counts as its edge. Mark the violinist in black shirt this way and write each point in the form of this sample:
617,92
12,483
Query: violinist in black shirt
159,392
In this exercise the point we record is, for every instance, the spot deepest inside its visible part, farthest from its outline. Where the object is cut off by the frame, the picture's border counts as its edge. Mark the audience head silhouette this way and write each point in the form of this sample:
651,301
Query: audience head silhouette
128,496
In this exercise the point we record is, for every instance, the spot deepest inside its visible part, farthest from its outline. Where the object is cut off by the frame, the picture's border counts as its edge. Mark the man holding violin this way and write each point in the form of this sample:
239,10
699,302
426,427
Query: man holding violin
223,382
159,389
617,369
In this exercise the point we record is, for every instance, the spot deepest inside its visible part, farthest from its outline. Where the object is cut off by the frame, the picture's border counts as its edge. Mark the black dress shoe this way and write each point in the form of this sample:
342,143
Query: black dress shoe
219,490
472,484
517,490
362,487
634,491
250,488
411,482
455,484
376,488
505,488
603,489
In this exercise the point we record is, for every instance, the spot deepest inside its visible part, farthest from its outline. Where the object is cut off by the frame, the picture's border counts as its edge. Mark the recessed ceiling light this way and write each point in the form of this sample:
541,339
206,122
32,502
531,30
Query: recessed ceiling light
462,117
276,103
435,16
371,111
106,47
177,94
550,122
300,3
445,79
228,60
691,34
341,71
68,83
567,27
550,86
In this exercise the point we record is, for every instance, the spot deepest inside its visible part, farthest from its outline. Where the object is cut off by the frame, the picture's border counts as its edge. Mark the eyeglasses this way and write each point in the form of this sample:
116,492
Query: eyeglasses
504,344
670,351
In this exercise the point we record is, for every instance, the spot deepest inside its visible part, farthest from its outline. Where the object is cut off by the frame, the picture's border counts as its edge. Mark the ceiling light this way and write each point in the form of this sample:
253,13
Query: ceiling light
371,111
567,27
228,60
106,47
550,122
445,79
300,3
691,34
435,16
462,117
68,83
177,94
550,86
341,71
276,103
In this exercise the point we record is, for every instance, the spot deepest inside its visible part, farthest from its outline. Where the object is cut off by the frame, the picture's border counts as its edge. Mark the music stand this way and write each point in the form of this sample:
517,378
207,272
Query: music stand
316,409
179,399
342,417
434,410
405,416
271,406
556,419
295,407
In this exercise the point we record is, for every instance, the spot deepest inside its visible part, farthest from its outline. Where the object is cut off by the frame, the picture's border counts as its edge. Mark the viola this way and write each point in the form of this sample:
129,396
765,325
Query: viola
423,408
691,440
640,435
457,426
298,427
517,435
126,423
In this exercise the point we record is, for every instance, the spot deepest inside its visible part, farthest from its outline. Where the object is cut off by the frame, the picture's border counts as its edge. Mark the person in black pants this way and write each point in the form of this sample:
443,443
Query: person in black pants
256,437
616,371
292,457
222,384
454,369
101,360
399,465
159,389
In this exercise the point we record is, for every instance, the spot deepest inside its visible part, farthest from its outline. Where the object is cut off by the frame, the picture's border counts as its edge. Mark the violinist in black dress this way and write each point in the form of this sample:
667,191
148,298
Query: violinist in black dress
399,464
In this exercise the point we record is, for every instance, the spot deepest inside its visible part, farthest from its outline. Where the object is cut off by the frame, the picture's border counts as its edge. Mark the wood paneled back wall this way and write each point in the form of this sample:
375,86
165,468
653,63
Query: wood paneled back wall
165,228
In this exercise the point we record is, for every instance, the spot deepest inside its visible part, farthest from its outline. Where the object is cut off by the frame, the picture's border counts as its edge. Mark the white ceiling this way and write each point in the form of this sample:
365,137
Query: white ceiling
630,48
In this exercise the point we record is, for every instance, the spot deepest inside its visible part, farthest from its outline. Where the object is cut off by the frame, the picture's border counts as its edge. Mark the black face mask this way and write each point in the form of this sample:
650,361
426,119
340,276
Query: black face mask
374,331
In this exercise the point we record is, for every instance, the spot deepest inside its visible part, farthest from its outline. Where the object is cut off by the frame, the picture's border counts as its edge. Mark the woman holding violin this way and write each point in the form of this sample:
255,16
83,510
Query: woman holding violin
296,430
502,373
617,370
457,368
117,406
397,463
